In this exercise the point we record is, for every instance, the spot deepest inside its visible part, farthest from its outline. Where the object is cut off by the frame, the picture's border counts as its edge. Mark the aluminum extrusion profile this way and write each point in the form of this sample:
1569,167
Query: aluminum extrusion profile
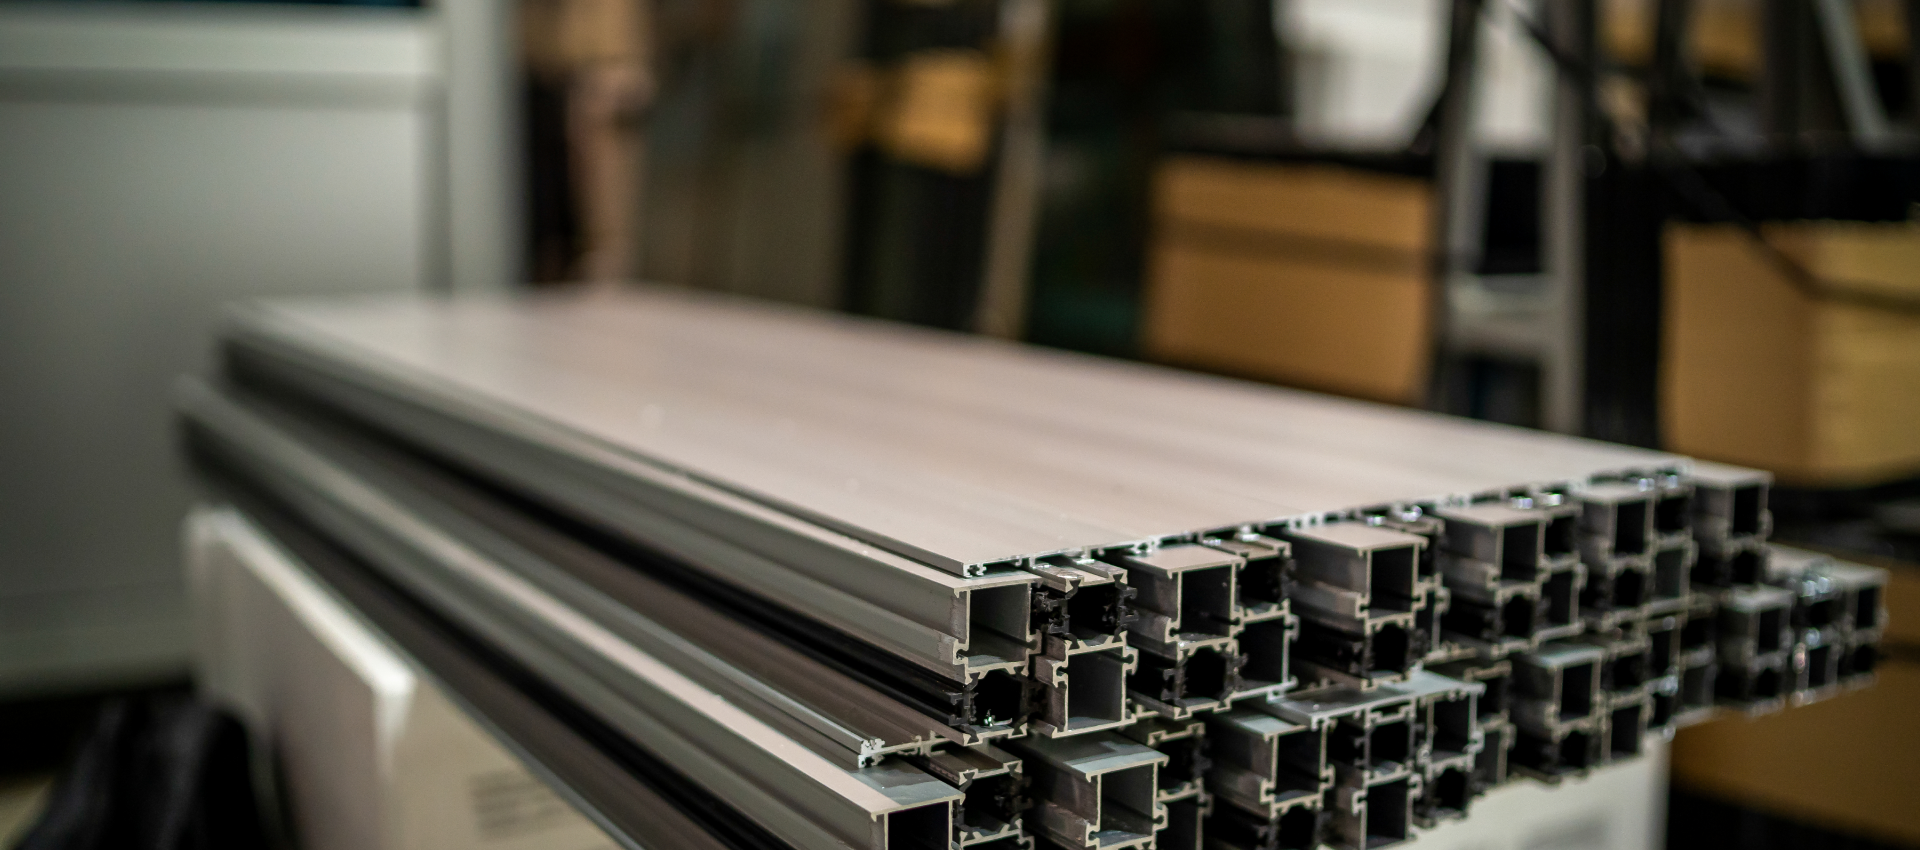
1447,790
1355,572
1083,686
1507,622
1627,723
1186,823
1205,677
788,789
1670,587
1449,741
1267,766
1624,664
1188,612
1370,734
1298,828
1266,653
1551,755
1672,509
1446,716
1730,564
1185,745
1487,545
1556,685
1729,505
994,785
1755,625
1379,814
1491,765
1082,601
1267,574
1758,686
1093,791
923,615
1186,593
827,705
1328,653
789,381
1560,592
1616,520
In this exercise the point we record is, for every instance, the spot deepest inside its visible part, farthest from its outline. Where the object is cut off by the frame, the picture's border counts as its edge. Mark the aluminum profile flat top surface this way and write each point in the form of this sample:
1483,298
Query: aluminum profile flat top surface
951,450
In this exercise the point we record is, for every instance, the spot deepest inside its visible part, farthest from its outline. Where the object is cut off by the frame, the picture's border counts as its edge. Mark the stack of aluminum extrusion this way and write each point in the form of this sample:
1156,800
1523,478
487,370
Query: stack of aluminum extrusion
740,575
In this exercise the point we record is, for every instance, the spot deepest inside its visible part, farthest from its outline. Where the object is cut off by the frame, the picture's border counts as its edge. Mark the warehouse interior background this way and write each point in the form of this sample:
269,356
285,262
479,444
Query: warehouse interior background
1691,225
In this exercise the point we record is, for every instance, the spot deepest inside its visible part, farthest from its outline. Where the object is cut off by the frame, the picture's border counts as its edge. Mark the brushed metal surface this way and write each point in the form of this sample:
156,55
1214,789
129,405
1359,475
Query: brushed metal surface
951,450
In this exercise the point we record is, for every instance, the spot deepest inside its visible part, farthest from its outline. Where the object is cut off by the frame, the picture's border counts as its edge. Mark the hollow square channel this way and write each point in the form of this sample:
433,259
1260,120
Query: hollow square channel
1625,732
1660,651
1388,806
1266,645
1095,610
1747,503
1816,614
1096,689
1560,540
1630,527
1518,616
1696,685
1626,672
1186,762
1299,829
1629,589
998,698
1300,761
1182,831
1866,608
1391,745
1698,633
1578,750
1819,666
1520,551
1670,573
1672,513
1206,598
991,801
1391,577
1126,800
1391,650
1207,674
1767,683
1490,766
920,828
1558,597
1453,722
1576,691
1746,566
1263,581
1452,789
1771,622
1493,700
1664,706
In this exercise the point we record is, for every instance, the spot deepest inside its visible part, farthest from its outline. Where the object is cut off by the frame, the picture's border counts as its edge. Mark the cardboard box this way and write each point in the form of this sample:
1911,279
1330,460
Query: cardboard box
1311,275
1822,389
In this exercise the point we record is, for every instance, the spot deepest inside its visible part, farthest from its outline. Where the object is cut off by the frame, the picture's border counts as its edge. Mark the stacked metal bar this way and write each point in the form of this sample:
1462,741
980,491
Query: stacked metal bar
825,582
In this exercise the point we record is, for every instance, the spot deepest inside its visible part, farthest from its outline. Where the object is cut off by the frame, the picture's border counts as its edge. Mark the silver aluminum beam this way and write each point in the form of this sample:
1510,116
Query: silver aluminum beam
995,783
788,789
958,627
833,420
1096,792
